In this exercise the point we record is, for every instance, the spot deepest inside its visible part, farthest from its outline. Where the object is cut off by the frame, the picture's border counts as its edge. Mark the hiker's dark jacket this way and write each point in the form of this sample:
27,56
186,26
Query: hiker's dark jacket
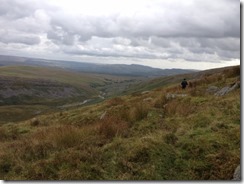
184,84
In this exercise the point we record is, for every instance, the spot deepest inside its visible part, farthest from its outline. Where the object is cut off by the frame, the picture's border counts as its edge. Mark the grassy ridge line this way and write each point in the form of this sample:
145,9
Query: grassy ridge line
175,80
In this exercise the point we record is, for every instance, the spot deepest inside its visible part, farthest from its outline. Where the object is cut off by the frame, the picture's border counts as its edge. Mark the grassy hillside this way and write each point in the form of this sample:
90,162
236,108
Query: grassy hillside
173,79
162,134
46,89
53,74
86,81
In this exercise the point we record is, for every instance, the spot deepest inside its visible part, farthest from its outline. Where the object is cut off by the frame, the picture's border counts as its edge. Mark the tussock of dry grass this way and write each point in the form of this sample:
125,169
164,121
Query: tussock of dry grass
115,101
139,111
160,101
113,126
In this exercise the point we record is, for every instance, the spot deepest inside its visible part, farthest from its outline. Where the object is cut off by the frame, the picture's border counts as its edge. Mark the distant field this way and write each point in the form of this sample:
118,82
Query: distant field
64,76
54,74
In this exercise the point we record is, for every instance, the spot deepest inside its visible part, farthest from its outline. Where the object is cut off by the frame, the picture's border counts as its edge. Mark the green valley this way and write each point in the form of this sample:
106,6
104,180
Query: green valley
46,89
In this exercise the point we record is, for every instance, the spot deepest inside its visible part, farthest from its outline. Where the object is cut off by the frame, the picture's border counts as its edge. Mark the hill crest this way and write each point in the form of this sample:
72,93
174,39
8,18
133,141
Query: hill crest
113,69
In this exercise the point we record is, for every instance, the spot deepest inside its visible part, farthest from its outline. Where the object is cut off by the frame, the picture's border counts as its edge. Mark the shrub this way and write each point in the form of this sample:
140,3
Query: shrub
115,101
139,111
66,136
112,126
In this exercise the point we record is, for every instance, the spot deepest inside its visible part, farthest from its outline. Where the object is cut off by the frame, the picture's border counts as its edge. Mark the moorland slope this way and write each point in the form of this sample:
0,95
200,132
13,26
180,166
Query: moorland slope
164,133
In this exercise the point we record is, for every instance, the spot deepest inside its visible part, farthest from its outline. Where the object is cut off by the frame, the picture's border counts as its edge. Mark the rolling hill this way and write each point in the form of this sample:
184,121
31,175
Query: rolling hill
164,133
48,88
112,69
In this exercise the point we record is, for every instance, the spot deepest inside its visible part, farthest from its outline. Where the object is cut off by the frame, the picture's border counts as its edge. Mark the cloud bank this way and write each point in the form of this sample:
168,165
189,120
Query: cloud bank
163,30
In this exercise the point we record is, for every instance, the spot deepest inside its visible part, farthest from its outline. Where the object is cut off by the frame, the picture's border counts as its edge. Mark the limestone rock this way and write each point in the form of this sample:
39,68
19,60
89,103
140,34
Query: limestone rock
227,89
237,173
171,95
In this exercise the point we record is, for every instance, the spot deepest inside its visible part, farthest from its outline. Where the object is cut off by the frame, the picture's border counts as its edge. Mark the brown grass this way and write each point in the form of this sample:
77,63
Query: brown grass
160,101
112,126
9,132
232,72
192,137
66,136
139,111
115,101
223,159
176,107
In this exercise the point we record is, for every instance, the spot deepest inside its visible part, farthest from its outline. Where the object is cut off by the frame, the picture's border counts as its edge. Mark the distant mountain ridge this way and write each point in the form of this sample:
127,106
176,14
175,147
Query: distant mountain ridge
114,69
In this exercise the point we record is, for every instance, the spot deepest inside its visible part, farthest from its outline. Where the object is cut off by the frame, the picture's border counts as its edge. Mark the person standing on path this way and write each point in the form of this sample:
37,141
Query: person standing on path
184,84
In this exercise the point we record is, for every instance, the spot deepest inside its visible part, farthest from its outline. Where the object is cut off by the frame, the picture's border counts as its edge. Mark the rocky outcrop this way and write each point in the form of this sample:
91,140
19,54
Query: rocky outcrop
227,89
14,88
237,174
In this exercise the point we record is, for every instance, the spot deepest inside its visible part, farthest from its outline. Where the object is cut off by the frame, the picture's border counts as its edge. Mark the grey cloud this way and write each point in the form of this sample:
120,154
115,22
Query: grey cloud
200,19
15,9
122,41
200,50
28,40
231,44
162,42
199,29
226,55
22,22
115,51
180,45
60,37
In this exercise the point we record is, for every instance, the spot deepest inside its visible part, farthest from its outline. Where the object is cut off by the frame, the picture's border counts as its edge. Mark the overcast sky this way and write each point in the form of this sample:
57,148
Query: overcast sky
195,34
